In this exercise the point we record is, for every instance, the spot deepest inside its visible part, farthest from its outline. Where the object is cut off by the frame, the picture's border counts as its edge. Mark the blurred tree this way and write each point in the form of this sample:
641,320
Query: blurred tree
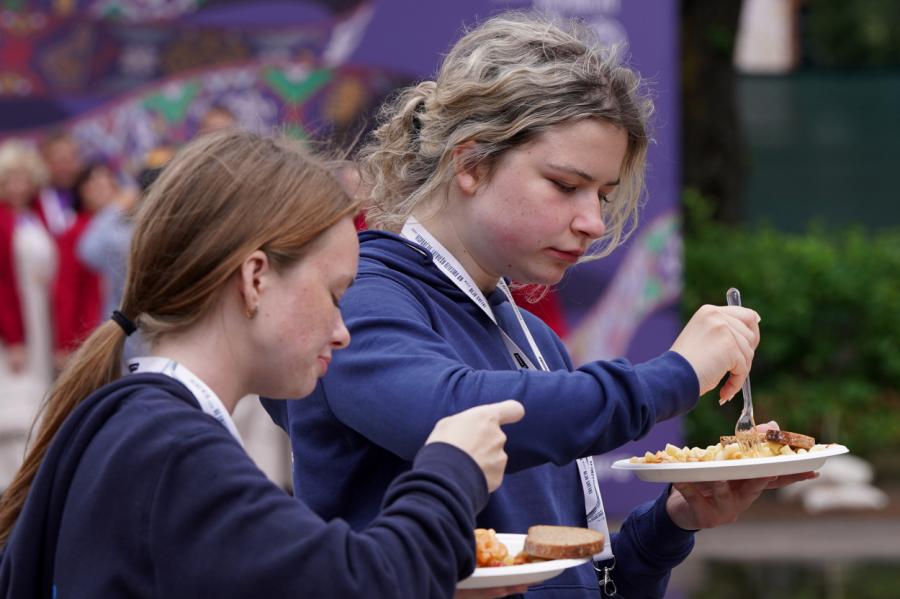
862,33
712,149
829,363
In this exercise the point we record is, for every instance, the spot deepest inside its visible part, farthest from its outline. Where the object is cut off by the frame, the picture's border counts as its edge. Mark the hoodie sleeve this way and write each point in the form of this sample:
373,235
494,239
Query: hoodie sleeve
219,528
399,376
647,548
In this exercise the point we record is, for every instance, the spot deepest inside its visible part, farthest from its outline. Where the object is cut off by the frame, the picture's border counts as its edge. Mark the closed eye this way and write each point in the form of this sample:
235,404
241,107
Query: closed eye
562,186
341,289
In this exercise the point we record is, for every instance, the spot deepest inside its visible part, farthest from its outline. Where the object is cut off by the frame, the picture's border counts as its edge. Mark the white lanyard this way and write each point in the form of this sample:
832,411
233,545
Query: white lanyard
206,397
453,270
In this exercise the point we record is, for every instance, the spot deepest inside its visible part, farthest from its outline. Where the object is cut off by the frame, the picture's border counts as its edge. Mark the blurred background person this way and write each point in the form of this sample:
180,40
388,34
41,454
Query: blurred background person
105,242
27,270
216,118
77,289
56,202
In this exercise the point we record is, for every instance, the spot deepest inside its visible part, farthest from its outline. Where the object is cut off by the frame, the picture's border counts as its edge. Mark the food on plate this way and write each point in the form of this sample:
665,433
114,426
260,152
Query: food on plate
543,542
795,440
772,443
491,552
562,542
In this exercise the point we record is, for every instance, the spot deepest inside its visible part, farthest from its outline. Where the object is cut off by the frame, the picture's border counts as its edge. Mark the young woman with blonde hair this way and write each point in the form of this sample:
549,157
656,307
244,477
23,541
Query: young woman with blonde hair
137,485
522,158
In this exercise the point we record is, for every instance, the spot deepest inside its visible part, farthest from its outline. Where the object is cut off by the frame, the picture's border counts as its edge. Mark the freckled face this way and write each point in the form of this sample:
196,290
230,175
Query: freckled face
541,206
300,321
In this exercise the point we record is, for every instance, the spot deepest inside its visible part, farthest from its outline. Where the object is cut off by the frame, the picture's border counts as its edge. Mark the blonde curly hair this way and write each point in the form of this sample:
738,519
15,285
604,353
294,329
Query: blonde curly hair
501,84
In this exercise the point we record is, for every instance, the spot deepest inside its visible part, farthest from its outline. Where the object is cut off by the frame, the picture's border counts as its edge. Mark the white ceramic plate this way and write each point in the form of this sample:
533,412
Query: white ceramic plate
503,576
692,472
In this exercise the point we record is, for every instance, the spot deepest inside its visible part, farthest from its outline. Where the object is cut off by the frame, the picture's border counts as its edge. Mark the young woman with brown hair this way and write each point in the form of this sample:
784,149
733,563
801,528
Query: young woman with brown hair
137,485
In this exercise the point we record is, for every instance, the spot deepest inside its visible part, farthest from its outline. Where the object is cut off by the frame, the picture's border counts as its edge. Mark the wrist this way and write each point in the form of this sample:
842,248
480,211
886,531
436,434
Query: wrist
679,513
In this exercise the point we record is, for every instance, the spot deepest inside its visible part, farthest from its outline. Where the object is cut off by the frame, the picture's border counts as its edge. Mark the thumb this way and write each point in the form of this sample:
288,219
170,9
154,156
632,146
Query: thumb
508,411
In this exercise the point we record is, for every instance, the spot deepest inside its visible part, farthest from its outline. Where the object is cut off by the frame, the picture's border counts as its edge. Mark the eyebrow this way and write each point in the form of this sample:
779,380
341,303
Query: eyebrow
580,173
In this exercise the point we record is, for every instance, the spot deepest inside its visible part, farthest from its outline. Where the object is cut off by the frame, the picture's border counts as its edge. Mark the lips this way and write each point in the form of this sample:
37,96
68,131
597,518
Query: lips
323,365
571,256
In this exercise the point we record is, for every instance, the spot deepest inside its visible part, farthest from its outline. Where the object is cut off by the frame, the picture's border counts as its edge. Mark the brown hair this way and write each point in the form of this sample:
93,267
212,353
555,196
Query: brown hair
222,197
501,84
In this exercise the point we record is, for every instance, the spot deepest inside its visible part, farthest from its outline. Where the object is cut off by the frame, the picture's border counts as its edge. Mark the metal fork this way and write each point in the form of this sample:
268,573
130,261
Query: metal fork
745,429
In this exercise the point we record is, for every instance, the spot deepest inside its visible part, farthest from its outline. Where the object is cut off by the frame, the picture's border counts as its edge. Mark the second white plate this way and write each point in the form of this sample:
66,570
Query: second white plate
692,472
504,576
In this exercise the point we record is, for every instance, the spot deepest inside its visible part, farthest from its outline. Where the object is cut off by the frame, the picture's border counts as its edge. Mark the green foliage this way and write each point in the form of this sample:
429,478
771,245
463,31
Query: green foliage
829,361
839,33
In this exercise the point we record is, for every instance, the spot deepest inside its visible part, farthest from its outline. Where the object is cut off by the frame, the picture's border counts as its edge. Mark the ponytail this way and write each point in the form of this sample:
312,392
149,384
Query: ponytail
96,363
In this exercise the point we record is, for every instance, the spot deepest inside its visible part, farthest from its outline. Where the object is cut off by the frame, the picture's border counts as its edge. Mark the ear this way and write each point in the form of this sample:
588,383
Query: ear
468,177
252,276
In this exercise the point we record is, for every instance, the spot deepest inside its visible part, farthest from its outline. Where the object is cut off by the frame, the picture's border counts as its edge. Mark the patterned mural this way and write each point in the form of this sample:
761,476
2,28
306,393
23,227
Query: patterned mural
654,267
129,75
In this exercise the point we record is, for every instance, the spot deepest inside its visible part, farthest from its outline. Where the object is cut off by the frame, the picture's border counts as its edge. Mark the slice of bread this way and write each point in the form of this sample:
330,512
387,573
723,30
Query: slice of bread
795,440
562,542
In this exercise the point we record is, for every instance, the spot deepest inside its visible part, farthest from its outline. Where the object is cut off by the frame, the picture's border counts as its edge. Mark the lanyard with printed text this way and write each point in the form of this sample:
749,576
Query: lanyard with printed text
453,270
206,397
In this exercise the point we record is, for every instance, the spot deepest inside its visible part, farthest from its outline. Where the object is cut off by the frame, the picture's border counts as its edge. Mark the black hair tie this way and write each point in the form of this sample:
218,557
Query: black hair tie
123,321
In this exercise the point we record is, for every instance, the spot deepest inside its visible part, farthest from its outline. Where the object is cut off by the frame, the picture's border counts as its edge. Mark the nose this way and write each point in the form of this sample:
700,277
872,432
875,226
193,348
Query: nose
588,219
340,337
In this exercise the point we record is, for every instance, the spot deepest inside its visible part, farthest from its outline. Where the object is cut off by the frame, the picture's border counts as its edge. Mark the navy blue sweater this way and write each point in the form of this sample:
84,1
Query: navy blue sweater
144,495
420,350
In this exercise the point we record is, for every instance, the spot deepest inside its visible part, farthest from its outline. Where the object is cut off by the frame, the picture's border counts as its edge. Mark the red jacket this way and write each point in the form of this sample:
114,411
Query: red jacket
12,330
76,291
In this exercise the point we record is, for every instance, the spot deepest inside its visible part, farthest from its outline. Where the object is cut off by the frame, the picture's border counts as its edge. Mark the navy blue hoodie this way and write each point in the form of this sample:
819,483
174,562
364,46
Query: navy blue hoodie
421,350
144,495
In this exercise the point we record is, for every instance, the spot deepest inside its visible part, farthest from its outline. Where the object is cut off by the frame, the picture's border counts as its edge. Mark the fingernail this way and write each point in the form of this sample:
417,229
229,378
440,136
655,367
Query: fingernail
758,319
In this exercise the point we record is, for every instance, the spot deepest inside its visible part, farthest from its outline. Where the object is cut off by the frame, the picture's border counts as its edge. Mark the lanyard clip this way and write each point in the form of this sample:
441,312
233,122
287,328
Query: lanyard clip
604,577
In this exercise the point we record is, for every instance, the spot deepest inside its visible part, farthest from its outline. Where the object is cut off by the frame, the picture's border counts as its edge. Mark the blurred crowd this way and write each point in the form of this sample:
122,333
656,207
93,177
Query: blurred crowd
65,234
